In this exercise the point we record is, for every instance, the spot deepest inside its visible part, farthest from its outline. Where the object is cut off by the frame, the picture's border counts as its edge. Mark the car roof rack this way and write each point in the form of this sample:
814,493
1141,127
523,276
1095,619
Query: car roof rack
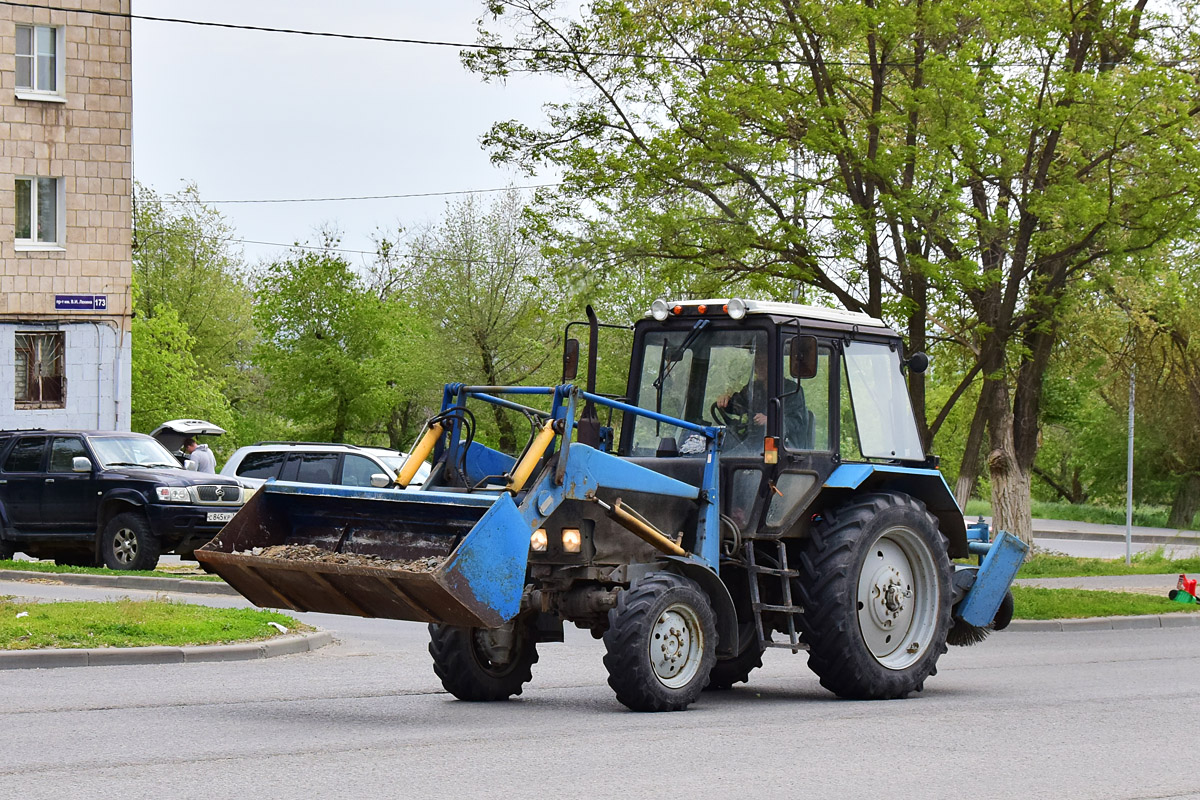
311,444
22,430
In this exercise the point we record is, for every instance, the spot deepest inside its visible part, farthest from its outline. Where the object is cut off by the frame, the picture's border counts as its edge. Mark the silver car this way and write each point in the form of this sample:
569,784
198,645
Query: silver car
315,462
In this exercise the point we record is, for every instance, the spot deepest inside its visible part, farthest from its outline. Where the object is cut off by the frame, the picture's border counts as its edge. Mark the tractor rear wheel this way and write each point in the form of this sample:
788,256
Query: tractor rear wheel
876,582
661,643
483,664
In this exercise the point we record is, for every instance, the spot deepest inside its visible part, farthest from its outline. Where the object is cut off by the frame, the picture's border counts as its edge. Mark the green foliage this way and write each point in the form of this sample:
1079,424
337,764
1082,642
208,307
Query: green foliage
129,623
183,262
167,382
334,353
497,305
1039,603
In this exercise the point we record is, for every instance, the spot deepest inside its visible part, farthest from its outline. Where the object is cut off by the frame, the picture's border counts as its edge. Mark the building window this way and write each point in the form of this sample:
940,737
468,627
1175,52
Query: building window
39,374
37,211
37,59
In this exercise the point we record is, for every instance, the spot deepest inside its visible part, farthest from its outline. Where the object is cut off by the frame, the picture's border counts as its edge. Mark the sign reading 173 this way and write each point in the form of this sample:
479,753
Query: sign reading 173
80,302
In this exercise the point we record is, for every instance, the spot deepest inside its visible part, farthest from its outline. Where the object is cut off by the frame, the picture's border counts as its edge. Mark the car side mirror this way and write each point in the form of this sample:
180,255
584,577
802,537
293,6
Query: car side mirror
802,360
570,360
189,465
81,464
380,481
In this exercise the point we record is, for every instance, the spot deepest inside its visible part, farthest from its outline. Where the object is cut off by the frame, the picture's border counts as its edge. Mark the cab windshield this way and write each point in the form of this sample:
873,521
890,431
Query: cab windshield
132,451
705,377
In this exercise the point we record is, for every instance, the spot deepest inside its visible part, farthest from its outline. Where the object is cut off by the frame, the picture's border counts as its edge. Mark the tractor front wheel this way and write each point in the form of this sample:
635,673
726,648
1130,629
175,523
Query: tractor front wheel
483,664
876,580
661,643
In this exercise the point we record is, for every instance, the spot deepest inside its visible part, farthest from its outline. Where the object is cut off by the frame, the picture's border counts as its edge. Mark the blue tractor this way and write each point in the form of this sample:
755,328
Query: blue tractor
761,484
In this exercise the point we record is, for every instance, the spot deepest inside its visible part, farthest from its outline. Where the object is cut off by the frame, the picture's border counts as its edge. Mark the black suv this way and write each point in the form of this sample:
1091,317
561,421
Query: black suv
100,497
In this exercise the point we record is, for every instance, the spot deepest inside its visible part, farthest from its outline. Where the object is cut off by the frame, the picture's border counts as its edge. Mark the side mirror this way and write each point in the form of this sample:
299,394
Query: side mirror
189,465
81,464
380,481
802,358
570,360
917,362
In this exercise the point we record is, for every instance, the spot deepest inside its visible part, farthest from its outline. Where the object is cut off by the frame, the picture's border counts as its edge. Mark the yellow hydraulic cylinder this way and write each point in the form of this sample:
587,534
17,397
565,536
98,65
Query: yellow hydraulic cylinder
537,448
632,521
419,453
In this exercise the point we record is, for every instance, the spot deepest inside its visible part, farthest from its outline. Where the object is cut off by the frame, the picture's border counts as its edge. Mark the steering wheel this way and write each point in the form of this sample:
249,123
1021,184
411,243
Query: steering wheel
738,424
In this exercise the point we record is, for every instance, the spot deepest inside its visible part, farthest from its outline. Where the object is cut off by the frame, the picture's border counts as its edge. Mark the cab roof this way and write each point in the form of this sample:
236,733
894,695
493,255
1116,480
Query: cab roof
721,307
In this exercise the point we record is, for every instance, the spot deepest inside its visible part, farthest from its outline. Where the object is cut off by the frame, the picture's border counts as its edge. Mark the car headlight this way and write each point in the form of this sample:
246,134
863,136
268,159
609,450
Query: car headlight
173,494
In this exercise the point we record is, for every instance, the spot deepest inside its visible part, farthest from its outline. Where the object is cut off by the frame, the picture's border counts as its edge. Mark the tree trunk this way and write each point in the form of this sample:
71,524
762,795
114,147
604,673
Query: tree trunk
1011,487
1187,503
399,425
968,473
340,420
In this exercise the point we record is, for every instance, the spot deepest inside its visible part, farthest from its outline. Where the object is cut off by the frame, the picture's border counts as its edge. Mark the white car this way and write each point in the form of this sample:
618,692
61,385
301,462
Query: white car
315,462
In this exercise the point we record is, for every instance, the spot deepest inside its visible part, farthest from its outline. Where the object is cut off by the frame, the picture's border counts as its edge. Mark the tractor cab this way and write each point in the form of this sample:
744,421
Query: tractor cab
799,390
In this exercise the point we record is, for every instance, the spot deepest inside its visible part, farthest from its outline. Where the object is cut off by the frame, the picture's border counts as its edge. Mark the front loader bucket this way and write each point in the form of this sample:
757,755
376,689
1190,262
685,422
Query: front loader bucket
457,559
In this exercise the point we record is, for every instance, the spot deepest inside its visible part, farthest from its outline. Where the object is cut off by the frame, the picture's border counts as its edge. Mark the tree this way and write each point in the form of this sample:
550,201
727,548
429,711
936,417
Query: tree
334,352
167,383
184,261
498,310
955,166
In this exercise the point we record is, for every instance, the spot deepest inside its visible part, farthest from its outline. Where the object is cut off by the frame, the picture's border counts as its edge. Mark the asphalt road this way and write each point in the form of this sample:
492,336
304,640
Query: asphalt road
1024,715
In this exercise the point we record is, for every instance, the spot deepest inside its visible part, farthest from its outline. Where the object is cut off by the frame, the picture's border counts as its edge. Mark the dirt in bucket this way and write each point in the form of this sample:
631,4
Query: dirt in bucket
312,553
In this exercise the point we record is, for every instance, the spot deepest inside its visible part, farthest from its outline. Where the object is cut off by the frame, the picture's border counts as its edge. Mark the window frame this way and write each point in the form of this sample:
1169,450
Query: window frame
34,242
32,92
18,370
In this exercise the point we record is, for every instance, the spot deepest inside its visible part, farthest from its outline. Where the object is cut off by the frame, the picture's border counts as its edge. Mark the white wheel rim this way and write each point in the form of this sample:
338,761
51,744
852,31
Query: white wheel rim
125,546
898,598
676,646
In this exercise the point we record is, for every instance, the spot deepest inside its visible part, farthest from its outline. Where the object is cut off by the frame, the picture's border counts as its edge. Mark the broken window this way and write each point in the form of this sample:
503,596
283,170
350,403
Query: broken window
40,382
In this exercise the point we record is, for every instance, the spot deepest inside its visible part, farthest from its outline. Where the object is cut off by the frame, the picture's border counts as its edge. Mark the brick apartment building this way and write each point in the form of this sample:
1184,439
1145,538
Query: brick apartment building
65,214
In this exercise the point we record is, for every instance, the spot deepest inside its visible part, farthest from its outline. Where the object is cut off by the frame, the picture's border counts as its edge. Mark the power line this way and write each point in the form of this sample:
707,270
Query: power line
416,257
674,59
178,199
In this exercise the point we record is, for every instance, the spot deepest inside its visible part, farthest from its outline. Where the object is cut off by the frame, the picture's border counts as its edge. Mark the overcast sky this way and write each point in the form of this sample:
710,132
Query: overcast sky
249,115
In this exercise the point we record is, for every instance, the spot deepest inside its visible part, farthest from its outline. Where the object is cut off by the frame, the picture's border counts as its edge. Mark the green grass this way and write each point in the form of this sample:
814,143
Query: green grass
1143,516
177,571
129,623
1151,562
1037,603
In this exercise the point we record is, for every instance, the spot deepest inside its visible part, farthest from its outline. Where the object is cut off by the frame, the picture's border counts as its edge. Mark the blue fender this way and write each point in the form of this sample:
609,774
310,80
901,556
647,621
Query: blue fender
927,485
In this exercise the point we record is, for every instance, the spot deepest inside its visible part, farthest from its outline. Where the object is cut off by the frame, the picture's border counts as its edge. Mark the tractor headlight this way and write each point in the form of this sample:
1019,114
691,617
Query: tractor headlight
736,308
659,310
572,540
538,541
173,494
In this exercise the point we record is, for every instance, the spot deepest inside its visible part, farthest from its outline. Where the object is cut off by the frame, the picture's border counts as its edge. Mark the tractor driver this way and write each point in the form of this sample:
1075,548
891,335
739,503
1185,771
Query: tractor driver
751,402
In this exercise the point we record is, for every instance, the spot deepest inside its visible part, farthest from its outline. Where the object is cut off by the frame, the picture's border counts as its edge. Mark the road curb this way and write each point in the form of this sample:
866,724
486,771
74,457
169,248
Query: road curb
124,656
174,585
1180,620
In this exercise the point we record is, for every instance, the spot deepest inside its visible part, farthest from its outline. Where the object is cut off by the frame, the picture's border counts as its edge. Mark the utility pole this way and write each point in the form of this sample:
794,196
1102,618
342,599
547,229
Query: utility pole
1129,471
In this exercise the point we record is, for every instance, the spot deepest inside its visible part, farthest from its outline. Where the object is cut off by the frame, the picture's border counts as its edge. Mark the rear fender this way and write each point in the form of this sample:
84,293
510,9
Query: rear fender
927,485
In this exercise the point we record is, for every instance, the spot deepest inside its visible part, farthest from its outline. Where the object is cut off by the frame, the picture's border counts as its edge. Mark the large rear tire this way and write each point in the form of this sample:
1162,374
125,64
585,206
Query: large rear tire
128,543
661,643
7,550
483,664
876,582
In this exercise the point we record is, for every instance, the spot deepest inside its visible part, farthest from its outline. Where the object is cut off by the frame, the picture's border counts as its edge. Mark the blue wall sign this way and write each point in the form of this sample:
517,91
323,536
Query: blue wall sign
80,302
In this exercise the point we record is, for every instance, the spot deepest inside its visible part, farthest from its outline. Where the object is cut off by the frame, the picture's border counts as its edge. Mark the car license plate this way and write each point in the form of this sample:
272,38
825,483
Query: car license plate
220,516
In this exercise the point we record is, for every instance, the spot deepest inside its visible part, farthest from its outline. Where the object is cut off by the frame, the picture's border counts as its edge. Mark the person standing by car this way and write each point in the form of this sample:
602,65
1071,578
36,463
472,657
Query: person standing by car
200,455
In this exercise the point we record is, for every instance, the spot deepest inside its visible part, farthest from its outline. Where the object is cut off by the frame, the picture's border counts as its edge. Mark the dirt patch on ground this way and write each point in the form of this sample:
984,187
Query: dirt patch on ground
312,553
